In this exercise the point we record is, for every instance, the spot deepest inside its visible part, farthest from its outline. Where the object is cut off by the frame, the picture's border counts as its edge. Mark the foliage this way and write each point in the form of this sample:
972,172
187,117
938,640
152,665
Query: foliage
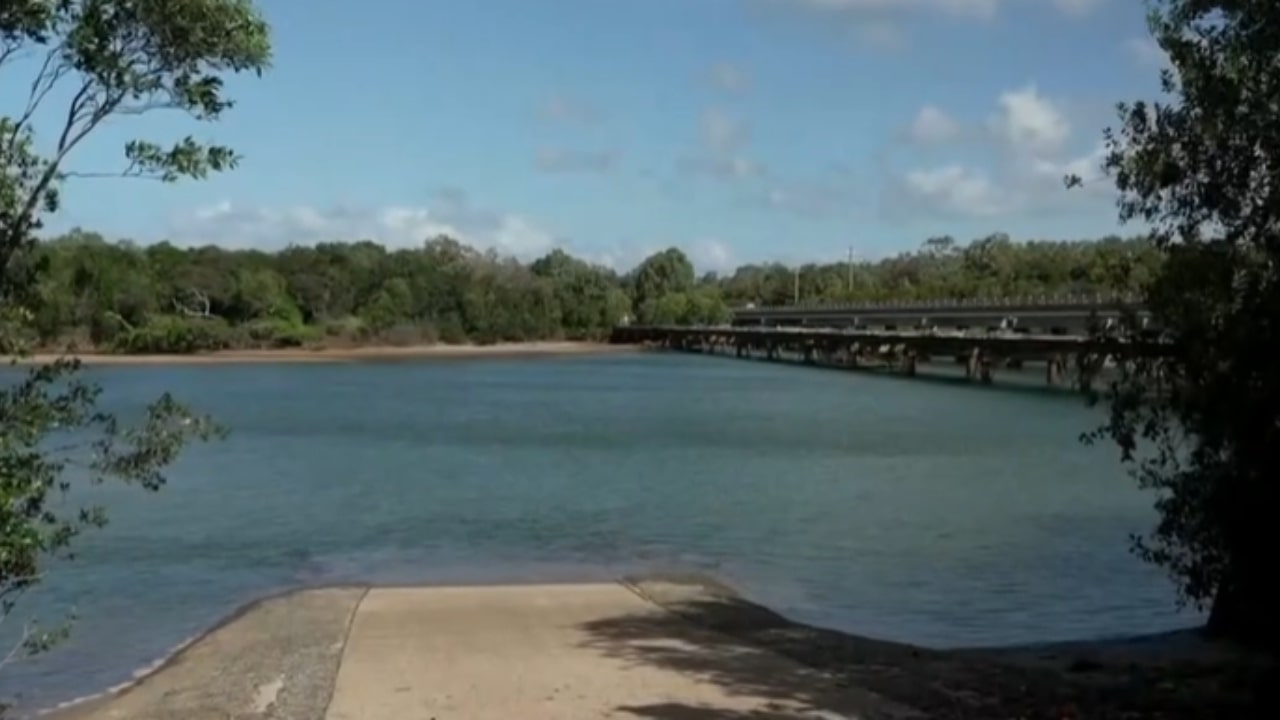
664,273
1202,427
991,267
446,291
52,431
169,334
83,64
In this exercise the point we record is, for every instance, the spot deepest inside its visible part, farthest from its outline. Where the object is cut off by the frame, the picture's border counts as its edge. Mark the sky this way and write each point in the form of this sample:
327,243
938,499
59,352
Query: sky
739,130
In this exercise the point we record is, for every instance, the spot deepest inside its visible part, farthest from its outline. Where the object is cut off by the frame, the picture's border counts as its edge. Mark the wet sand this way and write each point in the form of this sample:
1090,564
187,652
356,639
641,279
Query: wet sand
658,648
345,354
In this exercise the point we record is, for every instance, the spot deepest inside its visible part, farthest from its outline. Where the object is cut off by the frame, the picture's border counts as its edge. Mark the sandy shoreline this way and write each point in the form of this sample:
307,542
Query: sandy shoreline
346,354
710,652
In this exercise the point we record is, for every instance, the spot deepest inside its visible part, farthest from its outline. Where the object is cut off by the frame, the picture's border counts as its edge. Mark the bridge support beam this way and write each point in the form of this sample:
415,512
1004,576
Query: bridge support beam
1054,369
1088,366
909,363
1069,361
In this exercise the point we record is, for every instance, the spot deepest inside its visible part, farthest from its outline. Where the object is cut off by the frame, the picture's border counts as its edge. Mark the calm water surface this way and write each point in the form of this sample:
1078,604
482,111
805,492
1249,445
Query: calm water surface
914,510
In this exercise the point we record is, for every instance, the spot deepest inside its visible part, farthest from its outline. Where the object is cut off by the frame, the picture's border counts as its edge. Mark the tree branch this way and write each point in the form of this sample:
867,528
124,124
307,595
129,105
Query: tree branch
18,646
44,81
9,52
119,318
129,173
201,298
74,129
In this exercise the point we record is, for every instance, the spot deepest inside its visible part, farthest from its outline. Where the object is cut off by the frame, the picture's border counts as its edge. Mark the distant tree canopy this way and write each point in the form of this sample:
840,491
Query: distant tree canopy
991,267
122,297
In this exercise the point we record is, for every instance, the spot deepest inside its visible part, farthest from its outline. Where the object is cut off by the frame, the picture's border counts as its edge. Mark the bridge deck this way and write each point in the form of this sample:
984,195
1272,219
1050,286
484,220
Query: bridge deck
1075,358
1070,315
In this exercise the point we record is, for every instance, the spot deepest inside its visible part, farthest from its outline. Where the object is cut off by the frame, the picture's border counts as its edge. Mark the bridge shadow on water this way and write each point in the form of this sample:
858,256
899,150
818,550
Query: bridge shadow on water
1026,383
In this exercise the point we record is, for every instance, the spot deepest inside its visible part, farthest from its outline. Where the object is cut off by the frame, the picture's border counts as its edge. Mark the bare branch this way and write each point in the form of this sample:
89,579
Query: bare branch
74,129
129,173
119,318
147,107
44,81
202,300
11,52
75,108
27,631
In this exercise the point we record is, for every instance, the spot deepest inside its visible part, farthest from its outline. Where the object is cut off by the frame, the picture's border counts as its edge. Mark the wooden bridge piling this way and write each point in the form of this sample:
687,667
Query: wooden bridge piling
1069,360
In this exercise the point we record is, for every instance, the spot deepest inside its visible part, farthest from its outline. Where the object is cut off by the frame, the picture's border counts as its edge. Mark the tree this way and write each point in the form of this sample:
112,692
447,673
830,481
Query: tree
1202,426
108,59
117,297
669,271
263,294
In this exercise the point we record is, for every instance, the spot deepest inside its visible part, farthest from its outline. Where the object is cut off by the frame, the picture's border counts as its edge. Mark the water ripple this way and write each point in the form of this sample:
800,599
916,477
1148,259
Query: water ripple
876,506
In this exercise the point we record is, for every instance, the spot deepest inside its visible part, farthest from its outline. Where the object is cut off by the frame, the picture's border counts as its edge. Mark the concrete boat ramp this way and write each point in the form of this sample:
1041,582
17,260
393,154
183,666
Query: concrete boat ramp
544,652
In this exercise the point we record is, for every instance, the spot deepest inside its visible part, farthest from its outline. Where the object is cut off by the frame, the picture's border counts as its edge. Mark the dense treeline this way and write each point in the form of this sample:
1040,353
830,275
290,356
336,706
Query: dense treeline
160,298
991,267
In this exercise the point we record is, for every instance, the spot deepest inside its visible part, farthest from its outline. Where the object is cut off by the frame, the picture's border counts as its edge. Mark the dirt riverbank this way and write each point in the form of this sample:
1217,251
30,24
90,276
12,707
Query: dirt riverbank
347,354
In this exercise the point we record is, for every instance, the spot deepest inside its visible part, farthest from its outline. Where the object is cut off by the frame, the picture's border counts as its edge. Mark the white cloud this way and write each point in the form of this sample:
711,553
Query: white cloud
564,110
980,9
708,254
834,193
1030,123
881,34
729,167
563,160
721,132
1034,154
449,213
1077,8
723,139
1146,52
1037,185
963,8
1087,167
712,255
933,126
730,78
957,190
885,24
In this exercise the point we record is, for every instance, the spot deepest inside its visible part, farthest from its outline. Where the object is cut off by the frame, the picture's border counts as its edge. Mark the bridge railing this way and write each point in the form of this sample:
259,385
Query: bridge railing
1083,302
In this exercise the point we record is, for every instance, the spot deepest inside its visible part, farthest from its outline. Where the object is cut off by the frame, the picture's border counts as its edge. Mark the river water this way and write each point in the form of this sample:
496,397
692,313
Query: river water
931,512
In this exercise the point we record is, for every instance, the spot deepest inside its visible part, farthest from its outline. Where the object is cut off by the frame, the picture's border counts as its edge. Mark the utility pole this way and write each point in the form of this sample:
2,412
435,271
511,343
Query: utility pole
796,300
850,281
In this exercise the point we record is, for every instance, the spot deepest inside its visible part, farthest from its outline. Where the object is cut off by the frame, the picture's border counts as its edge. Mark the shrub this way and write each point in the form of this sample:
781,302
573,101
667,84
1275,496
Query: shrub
165,334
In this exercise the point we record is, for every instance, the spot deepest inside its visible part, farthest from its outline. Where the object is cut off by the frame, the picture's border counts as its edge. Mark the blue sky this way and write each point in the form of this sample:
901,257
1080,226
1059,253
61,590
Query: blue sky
740,130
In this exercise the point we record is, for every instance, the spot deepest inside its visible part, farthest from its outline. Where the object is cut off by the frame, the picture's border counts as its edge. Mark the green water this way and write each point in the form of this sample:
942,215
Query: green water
914,510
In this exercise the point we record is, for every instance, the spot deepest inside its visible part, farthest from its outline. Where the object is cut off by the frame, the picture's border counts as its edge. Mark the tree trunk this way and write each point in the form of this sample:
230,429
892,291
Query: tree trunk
1247,612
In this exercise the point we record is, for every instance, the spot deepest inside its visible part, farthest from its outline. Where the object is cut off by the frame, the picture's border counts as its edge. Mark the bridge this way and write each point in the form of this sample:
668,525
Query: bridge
1055,315
1073,338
